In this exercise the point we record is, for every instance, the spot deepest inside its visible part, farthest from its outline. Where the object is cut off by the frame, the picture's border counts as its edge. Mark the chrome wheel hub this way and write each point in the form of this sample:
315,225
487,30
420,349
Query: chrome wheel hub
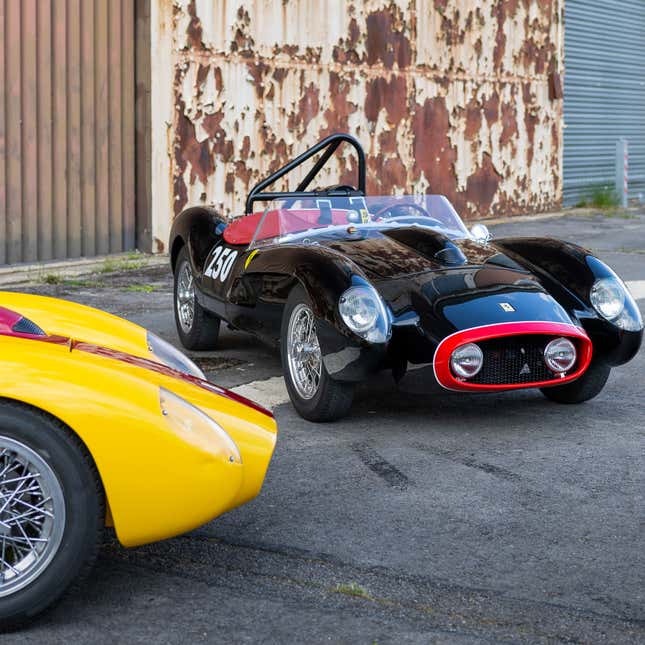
185,300
303,352
32,515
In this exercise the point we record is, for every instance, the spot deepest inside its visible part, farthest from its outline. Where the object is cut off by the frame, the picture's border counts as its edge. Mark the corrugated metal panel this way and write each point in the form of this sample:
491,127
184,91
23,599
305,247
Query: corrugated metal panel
452,96
604,95
66,128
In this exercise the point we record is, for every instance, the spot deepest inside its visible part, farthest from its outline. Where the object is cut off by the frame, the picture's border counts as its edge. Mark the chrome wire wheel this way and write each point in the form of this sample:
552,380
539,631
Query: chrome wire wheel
185,299
32,515
303,352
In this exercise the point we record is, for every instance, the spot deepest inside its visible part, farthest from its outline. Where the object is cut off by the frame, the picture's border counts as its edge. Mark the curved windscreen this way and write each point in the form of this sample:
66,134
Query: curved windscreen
295,219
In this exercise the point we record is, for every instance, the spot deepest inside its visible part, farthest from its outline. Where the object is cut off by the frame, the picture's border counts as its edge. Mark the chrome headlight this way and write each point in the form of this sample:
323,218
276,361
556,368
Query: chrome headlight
608,297
466,361
560,355
611,299
197,428
364,312
172,357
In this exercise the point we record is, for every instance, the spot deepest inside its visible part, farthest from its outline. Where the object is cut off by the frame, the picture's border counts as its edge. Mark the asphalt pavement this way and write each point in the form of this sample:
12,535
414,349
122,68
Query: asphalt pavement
442,518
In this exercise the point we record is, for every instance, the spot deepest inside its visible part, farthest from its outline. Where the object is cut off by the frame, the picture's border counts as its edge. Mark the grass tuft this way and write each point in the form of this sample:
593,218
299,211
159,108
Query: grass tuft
600,196
130,262
352,589
52,278
140,288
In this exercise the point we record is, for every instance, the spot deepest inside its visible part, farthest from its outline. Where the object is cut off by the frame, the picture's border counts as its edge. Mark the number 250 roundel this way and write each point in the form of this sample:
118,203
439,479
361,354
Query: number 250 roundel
221,264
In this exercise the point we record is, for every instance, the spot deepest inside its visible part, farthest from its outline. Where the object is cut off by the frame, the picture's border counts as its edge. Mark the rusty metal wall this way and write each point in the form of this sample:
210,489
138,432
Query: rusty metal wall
66,128
461,97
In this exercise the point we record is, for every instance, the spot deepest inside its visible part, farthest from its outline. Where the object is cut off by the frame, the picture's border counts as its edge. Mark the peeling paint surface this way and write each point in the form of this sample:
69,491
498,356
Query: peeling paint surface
447,96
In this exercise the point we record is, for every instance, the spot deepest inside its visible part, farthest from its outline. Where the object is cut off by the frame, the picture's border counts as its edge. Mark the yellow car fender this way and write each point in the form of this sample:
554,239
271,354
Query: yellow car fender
159,480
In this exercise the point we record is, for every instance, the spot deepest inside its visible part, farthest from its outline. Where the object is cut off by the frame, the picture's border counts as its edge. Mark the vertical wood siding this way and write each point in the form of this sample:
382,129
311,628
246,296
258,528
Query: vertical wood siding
67,139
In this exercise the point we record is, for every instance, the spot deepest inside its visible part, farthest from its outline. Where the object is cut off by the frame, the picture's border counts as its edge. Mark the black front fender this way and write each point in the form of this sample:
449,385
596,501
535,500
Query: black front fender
568,272
325,275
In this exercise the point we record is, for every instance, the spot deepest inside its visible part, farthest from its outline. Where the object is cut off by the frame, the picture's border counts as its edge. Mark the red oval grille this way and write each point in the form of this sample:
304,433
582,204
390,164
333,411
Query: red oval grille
513,355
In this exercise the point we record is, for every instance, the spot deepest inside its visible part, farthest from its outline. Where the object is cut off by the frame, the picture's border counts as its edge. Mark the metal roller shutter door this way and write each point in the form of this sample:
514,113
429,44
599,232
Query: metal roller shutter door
604,93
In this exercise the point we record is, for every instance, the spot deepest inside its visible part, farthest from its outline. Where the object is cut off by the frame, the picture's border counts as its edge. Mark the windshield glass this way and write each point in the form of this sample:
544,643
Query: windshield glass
296,219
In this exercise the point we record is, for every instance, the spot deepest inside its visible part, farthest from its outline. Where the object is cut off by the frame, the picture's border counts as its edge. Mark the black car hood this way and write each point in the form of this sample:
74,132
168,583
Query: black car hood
449,284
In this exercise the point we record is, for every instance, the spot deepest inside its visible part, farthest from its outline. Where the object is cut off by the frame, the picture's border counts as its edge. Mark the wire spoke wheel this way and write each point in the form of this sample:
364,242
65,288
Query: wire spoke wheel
185,300
315,394
32,515
303,351
197,326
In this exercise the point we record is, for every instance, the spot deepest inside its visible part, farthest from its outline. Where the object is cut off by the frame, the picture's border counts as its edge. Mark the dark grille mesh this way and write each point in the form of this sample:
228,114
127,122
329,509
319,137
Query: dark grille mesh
25,326
514,360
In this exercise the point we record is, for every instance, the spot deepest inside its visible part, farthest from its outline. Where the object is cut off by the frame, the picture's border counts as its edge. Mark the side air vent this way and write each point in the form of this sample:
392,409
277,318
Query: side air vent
25,326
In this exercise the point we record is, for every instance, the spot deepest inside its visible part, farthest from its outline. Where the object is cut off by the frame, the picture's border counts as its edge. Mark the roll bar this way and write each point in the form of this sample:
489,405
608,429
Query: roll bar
329,145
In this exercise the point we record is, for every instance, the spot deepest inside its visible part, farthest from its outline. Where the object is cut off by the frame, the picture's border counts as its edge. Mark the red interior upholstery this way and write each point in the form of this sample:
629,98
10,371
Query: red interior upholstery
277,222
241,230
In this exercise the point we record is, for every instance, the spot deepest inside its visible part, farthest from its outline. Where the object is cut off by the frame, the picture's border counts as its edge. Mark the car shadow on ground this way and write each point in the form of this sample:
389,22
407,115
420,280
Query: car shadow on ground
380,400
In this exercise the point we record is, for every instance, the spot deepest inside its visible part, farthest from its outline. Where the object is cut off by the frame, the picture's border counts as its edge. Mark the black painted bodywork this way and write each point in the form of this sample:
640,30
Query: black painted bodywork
433,286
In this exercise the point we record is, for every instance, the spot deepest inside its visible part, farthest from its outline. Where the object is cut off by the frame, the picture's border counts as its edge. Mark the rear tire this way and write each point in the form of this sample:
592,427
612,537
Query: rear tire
44,552
314,394
589,385
197,328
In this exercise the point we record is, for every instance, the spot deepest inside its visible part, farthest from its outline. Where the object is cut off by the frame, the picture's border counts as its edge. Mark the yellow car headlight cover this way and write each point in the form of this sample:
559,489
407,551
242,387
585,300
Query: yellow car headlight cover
172,357
197,428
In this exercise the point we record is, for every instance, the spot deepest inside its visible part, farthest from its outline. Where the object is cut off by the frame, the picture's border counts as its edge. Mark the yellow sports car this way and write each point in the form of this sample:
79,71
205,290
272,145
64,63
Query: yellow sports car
105,424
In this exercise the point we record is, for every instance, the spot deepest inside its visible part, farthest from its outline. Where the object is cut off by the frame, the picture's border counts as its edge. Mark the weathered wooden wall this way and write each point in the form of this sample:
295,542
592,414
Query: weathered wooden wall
67,153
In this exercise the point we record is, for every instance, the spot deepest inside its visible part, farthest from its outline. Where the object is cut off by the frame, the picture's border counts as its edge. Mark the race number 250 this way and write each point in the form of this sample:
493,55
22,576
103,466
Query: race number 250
220,264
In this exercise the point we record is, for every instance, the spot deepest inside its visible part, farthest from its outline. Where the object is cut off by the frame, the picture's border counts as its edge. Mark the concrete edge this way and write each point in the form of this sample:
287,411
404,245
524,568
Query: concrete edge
510,219
18,274
575,212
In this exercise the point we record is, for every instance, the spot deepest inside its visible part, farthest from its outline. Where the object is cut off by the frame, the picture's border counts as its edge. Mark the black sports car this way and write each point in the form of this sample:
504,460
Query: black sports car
348,284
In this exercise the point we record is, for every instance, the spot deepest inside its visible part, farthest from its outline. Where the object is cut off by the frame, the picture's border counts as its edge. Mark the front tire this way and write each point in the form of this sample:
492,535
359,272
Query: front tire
52,512
589,385
314,394
197,328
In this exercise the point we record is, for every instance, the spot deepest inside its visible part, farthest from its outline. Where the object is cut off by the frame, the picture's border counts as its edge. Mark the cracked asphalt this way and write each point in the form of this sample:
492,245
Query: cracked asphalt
443,518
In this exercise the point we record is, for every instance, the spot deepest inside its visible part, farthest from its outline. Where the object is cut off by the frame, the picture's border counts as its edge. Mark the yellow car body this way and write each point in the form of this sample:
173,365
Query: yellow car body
97,374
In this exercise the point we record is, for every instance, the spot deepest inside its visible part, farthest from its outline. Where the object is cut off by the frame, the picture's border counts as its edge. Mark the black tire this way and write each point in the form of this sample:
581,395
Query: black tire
589,385
202,333
332,399
83,501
